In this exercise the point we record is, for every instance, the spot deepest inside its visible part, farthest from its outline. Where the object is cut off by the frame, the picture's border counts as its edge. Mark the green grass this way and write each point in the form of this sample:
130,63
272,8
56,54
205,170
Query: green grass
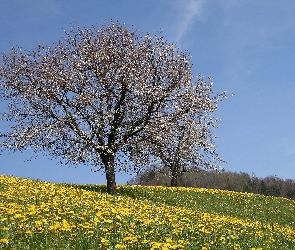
39,215
266,209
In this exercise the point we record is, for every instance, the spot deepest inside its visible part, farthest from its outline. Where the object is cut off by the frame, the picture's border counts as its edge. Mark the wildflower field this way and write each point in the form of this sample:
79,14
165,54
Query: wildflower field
41,215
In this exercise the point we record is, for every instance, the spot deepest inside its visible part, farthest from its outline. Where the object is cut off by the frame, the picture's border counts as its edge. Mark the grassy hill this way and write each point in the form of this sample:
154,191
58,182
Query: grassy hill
40,215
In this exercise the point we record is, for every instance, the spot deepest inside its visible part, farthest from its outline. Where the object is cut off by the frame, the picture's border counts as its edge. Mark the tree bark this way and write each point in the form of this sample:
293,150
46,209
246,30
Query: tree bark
109,161
175,173
174,168
174,180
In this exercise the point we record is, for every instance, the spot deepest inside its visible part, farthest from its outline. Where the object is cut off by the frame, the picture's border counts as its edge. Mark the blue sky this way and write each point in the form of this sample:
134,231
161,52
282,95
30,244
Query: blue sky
246,47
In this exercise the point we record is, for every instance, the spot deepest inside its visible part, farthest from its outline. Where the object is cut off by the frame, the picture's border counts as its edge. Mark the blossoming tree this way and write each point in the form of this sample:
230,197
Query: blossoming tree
99,96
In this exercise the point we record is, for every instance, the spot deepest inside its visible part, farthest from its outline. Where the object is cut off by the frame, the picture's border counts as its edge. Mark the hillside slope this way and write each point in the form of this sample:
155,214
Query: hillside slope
39,215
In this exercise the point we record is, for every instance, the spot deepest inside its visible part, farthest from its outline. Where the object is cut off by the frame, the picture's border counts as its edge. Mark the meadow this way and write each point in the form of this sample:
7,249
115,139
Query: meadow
42,215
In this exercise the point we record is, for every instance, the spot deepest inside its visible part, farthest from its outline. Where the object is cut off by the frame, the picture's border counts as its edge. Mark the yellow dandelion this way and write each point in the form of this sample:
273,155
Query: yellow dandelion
169,240
104,241
4,240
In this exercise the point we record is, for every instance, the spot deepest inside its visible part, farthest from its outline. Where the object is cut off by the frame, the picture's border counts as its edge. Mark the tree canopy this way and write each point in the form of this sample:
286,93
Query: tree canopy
98,96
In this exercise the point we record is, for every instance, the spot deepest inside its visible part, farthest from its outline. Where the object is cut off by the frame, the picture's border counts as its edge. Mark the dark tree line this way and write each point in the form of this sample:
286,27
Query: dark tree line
226,180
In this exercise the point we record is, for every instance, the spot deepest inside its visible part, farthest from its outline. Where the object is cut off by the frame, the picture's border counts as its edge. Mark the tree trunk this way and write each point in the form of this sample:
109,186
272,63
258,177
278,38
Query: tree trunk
175,174
109,160
174,180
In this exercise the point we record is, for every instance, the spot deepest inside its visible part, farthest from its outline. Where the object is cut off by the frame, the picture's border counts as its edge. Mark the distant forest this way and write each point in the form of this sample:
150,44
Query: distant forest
233,181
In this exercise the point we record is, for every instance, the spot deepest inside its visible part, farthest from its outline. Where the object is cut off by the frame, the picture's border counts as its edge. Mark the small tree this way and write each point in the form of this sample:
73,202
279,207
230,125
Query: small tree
93,96
183,140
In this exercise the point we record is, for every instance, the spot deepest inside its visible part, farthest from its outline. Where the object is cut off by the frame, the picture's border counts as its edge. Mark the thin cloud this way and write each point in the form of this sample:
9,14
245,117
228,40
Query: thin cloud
192,10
